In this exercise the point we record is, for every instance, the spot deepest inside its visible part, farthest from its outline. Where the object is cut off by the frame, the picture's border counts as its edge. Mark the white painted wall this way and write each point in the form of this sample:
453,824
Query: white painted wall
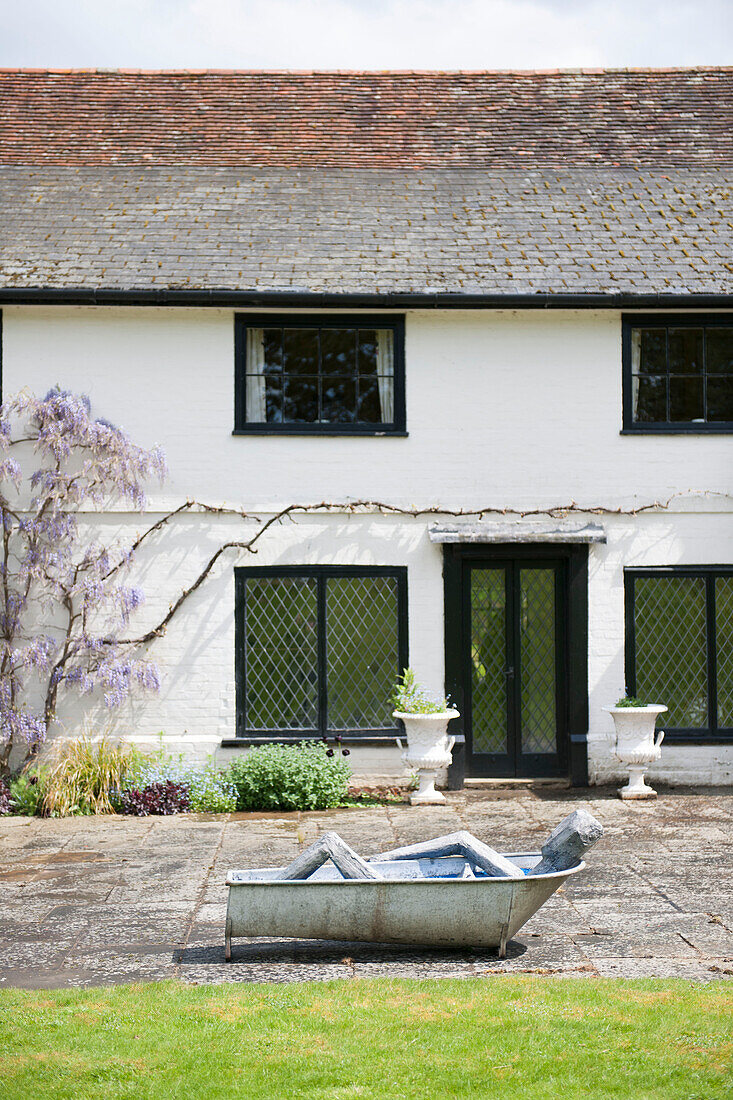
519,409
507,408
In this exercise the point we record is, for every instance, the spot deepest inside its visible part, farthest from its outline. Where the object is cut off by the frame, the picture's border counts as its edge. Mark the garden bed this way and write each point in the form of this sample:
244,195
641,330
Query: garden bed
83,777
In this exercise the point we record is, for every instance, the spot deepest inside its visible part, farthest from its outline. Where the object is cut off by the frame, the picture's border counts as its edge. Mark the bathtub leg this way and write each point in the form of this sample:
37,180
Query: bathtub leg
228,941
502,942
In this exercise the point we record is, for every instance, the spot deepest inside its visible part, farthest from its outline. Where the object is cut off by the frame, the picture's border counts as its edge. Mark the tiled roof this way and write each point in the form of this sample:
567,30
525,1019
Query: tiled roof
343,231
407,120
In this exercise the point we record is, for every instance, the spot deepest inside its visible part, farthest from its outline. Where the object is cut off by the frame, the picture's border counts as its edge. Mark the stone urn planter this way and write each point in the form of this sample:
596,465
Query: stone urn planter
428,749
636,745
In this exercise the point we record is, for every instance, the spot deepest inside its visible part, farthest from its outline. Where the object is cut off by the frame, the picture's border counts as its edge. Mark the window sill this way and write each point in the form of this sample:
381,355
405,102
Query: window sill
368,739
319,432
692,430
692,739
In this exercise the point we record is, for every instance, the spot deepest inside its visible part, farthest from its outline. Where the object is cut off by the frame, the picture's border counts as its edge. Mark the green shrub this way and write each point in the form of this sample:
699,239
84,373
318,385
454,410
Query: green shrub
26,793
289,777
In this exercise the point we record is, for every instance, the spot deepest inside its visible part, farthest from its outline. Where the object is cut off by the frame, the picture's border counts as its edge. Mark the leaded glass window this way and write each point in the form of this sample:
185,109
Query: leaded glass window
678,373
489,699
328,374
679,625
319,649
537,659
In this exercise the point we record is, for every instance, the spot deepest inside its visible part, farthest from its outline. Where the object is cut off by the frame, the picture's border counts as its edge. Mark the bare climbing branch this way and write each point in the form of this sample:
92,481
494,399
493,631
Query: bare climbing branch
352,507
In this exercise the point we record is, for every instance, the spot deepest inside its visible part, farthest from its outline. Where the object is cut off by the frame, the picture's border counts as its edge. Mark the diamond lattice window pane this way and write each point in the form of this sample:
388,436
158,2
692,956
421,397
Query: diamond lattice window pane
362,651
724,627
488,660
671,648
281,653
537,660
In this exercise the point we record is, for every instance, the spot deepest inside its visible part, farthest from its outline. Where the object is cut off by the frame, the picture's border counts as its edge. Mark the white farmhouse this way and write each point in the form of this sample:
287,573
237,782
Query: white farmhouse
483,320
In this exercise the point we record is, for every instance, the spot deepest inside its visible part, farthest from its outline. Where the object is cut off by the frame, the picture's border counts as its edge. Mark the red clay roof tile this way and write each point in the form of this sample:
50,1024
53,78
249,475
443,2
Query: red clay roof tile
396,120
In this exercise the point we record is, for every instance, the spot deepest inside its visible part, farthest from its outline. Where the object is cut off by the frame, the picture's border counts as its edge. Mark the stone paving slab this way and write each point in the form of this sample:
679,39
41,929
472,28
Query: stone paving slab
95,901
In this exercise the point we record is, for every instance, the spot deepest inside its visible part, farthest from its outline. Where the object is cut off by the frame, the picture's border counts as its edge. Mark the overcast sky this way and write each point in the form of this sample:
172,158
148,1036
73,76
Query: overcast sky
365,34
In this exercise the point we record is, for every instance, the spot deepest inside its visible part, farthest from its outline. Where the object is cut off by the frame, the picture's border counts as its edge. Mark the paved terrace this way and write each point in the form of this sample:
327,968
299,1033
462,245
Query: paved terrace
90,901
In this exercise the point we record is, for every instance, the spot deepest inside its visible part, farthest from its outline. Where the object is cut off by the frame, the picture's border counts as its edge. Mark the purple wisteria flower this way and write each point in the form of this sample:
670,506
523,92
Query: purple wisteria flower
64,599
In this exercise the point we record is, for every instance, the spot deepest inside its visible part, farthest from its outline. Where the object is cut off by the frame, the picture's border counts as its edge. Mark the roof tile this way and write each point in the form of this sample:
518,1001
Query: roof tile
343,231
393,120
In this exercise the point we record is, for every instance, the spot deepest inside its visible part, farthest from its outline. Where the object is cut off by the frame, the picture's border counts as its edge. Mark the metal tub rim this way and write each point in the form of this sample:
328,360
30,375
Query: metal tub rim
235,882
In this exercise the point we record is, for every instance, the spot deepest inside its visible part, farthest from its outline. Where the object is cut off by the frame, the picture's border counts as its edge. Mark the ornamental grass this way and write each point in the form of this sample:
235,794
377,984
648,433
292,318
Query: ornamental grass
83,776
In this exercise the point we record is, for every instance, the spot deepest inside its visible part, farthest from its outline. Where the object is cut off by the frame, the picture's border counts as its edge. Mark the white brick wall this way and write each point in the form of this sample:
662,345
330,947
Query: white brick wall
505,408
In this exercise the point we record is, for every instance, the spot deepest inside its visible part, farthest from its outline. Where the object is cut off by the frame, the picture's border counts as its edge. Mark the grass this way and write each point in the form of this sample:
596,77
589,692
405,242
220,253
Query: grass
82,775
358,801
499,1037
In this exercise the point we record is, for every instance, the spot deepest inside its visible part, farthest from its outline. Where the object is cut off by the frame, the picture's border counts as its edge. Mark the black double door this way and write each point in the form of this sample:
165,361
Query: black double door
507,633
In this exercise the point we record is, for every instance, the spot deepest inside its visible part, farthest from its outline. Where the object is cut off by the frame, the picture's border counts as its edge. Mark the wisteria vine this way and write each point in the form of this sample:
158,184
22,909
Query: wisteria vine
64,602
63,598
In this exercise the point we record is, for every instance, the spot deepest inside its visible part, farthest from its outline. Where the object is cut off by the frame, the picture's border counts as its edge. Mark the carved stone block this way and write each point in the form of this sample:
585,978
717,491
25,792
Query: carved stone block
329,846
457,844
567,843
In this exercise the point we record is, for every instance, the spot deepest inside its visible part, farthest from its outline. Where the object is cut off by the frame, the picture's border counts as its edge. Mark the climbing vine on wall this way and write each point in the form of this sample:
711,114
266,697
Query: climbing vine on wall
65,602
64,598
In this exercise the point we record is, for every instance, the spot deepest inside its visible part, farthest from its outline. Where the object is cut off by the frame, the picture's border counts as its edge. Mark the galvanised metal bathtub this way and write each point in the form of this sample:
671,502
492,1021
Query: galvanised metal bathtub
422,901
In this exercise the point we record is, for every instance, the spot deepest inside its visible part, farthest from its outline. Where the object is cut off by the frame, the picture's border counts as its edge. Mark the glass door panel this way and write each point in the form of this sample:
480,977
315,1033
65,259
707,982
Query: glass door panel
488,660
724,648
537,660
513,662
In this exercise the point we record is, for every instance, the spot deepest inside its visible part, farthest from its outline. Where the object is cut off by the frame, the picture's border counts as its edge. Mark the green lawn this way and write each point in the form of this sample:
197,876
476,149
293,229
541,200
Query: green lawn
499,1037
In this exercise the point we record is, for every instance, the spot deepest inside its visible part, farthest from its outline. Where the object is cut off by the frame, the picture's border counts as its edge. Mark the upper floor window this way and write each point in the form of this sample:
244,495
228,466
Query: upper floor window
324,375
678,373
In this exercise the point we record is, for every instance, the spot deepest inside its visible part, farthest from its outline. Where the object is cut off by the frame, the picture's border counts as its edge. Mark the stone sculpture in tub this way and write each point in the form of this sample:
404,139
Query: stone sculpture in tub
453,891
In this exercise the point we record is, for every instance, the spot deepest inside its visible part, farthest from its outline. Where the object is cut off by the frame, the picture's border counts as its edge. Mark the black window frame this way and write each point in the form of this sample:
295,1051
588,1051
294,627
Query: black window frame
714,734
243,321
322,573
666,320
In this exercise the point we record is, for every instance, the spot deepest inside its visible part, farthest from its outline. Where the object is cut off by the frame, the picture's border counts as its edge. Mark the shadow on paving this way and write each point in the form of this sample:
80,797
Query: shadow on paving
602,794
331,952
97,901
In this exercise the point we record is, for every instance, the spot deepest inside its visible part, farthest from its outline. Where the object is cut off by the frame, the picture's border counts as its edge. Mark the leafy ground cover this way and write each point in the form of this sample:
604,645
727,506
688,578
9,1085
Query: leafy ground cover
508,1037
85,776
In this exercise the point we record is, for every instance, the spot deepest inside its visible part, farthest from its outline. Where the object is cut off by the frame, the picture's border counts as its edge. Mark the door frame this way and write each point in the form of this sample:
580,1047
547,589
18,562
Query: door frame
575,598
506,764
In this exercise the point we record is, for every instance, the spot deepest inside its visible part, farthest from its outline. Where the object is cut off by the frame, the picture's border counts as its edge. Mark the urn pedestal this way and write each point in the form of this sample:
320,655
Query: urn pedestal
636,745
428,749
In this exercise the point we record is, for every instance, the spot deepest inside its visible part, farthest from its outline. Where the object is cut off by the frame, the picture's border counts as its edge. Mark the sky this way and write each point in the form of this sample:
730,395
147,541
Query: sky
365,34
